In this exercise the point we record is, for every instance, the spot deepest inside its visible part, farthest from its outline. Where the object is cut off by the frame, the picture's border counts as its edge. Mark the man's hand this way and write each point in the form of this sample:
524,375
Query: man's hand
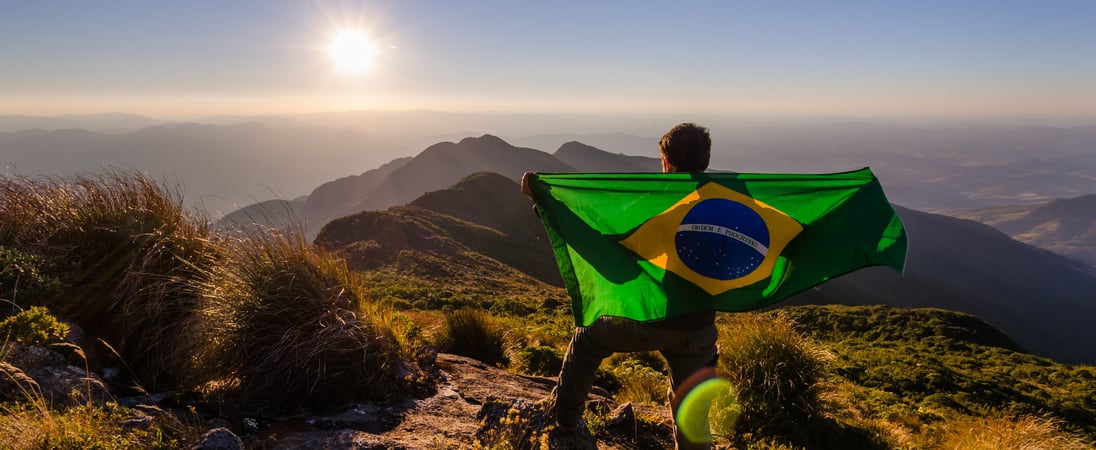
525,189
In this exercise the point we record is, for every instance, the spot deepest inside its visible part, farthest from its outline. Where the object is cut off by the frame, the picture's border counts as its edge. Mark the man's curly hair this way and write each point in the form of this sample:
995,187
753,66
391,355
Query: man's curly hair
687,147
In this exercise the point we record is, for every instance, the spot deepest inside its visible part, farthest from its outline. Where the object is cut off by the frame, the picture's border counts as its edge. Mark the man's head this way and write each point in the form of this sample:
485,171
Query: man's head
685,148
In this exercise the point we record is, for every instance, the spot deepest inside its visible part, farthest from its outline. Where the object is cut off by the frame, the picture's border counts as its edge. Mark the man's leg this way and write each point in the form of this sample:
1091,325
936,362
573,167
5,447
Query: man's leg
692,354
576,377
589,346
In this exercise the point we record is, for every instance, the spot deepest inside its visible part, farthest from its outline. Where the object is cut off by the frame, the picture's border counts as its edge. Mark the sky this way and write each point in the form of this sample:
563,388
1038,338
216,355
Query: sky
187,59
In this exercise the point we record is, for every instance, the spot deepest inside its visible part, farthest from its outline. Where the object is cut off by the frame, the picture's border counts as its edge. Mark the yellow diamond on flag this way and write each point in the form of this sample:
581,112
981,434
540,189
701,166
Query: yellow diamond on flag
716,238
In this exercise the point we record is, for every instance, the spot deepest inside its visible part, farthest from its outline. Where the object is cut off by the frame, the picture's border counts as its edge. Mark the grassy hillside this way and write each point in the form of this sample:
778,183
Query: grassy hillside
263,323
481,225
920,367
269,325
1040,299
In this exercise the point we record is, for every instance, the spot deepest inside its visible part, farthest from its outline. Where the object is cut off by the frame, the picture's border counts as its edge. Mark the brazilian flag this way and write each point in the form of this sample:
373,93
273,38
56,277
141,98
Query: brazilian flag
649,246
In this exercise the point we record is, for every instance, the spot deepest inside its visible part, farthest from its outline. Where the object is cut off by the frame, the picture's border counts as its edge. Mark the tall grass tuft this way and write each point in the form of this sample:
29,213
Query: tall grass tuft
472,333
777,373
287,329
129,258
997,432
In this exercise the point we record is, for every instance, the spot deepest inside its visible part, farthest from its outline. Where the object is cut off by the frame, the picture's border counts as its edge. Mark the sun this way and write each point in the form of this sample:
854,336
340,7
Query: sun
352,51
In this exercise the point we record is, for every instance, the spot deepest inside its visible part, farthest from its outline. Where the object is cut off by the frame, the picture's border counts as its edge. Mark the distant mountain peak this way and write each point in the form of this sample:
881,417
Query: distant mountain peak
588,158
576,146
485,140
481,178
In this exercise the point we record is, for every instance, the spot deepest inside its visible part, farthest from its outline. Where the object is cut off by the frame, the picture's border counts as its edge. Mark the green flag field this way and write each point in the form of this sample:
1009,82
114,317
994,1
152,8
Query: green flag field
648,246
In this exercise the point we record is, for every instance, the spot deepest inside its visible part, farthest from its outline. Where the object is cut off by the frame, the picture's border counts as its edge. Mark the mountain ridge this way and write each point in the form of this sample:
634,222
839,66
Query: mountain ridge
954,264
1063,226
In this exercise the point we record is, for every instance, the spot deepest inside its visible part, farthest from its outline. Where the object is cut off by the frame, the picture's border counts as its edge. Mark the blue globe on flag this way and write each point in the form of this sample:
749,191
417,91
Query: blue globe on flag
722,239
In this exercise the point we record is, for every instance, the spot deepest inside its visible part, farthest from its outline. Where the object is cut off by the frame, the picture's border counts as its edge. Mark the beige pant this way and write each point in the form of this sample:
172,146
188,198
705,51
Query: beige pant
686,351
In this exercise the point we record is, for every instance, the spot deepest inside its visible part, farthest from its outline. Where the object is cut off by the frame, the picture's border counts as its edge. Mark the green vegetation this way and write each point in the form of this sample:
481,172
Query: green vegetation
25,279
264,323
33,425
777,373
995,432
940,363
539,360
33,326
268,324
127,257
825,377
287,326
471,333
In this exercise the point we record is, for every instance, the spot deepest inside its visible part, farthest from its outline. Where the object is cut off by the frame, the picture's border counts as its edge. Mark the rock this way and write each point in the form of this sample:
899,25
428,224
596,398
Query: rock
218,422
340,439
69,385
146,399
76,335
521,424
141,422
15,384
220,439
624,415
31,357
370,417
59,383
426,356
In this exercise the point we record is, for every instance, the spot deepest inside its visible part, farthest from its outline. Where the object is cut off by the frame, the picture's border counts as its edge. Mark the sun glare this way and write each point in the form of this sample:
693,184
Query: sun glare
352,51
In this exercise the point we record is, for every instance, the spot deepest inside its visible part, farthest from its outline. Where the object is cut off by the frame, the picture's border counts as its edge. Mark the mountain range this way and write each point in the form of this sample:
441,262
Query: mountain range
225,163
219,168
1033,295
481,223
1063,226
439,166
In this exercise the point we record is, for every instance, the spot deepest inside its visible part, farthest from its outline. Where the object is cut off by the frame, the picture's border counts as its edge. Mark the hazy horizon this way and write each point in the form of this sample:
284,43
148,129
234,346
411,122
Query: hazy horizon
343,86
849,59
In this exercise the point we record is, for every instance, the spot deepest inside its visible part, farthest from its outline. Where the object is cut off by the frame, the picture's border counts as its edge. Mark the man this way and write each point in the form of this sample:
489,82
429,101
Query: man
688,343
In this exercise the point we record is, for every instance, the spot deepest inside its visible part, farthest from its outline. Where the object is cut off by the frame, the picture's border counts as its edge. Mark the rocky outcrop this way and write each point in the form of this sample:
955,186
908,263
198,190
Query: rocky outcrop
32,371
472,403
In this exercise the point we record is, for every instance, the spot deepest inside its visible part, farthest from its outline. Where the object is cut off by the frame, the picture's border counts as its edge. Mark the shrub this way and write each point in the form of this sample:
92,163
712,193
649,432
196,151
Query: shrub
639,377
469,332
129,256
776,372
651,360
33,326
640,383
25,278
288,329
408,333
539,360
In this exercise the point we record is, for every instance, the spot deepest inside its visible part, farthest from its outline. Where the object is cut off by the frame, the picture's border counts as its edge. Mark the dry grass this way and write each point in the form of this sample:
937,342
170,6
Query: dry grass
642,377
777,373
472,333
30,421
1025,432
288,327
182,308
131,259
34,426
640,384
